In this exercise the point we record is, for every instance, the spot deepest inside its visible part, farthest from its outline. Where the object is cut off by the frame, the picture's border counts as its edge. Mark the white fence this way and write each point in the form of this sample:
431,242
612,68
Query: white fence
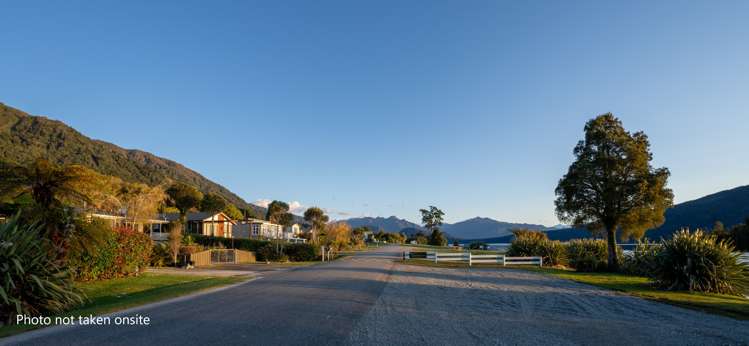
471,259
744,258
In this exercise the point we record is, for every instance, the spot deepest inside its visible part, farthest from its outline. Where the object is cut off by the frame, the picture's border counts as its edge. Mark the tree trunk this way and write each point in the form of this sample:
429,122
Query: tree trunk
613,263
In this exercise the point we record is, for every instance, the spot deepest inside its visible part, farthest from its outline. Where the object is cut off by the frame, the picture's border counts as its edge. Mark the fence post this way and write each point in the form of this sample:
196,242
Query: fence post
540,261
470,259
435,256
504,263
322,252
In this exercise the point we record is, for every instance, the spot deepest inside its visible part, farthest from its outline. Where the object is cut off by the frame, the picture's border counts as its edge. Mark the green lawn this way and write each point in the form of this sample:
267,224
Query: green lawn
731,306
117,294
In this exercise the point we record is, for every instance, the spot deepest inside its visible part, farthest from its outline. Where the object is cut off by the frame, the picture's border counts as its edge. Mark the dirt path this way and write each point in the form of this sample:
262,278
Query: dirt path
438,306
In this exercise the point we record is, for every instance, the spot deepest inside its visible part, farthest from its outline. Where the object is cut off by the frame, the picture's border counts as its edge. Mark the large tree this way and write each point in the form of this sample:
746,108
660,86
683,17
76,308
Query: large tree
317,218
611,186
432,218
140,201
184,197
276,210
213,203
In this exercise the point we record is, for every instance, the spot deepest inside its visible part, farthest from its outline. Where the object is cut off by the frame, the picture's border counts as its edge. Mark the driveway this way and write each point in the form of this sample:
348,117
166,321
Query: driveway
367,299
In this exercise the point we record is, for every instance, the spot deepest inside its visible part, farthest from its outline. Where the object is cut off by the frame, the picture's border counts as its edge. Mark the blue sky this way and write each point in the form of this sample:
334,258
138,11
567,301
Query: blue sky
381,108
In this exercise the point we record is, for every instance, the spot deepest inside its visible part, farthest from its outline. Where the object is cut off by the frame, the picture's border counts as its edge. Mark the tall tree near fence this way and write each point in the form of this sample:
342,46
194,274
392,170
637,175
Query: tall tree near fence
432,218
611,186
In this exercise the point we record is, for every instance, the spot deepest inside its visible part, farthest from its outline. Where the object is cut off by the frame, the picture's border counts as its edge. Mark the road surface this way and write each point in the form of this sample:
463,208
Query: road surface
367,299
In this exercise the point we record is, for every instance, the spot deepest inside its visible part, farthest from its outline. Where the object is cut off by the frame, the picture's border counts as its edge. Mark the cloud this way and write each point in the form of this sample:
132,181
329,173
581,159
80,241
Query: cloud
262,202
295,207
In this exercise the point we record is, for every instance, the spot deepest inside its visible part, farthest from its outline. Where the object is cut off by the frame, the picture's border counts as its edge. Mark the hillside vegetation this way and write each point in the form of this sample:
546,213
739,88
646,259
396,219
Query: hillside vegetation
24,138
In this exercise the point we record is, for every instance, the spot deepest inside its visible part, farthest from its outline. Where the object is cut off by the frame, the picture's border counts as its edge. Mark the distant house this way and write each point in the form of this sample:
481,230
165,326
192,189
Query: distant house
152,226
293,231
261,229
205,223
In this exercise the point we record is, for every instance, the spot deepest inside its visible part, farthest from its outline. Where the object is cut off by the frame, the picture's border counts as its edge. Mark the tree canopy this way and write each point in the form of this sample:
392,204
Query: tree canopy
432,217
612,186
184,197
317,218
212,202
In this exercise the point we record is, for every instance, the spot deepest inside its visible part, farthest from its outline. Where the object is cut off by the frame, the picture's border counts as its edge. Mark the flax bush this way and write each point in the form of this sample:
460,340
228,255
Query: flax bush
642,260
33,283
699,262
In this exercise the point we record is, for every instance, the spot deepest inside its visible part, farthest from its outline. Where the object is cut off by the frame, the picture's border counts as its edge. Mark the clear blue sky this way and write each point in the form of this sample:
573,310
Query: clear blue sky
380,108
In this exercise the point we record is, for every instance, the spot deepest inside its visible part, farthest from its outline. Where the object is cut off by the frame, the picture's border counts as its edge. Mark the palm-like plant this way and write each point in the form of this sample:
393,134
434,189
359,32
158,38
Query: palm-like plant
48,184
32,282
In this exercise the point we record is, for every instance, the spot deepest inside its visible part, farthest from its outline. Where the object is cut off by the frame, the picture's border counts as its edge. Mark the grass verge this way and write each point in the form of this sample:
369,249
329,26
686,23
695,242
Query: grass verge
721,304
108,296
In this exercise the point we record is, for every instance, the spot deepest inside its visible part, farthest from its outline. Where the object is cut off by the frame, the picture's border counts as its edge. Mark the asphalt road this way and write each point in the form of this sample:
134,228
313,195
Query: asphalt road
317,305
368,299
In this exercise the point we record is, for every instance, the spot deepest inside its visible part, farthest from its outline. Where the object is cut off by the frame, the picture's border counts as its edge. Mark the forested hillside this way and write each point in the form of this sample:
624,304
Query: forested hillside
24,137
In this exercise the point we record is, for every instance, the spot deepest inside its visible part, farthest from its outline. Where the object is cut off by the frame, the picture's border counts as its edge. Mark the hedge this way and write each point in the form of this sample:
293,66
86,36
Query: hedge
229,243
113,253
264,249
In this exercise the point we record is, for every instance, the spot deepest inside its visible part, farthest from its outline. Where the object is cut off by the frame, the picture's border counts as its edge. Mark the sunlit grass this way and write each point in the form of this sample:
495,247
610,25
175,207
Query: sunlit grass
107,296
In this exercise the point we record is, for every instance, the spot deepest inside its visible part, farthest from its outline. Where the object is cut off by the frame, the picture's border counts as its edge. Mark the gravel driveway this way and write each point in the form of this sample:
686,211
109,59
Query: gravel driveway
440,306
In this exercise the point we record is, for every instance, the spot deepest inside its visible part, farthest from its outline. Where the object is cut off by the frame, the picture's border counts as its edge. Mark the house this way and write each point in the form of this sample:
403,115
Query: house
152,226
215,224
293,231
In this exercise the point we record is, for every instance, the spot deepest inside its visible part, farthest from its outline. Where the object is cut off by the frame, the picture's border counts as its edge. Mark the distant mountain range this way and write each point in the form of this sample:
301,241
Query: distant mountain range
387,224
24,138
731,207
475,228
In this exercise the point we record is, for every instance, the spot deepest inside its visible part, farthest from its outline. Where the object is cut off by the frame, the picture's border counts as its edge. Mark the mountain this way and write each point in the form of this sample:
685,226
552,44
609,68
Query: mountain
24,138
730,207
390,224
482,227
475,228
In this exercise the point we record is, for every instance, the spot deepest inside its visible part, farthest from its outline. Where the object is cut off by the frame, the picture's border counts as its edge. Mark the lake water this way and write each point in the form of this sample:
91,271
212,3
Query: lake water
626,247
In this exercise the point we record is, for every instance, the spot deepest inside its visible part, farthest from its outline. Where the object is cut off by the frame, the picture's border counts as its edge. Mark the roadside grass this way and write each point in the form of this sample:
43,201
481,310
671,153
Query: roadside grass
638,286
108,296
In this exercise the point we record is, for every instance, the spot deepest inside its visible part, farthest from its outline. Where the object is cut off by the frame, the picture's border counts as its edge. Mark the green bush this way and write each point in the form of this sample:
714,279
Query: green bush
534,243
642,260
301,252
117,253
238,243
589,255
698,262
32,283
269,252
161,255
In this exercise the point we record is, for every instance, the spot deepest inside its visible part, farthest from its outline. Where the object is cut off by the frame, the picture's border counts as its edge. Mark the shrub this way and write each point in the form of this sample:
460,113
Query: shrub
301,252
269,253
526,243
32,283
698,262
589,255
119,252
642,260
534,243
161,256
239,243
